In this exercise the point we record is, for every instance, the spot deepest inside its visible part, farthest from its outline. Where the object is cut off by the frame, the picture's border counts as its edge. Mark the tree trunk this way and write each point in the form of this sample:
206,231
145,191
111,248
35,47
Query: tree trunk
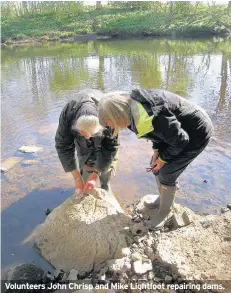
98,4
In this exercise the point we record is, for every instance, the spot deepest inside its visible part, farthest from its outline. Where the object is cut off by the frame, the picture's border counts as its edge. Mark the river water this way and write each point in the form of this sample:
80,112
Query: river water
38,80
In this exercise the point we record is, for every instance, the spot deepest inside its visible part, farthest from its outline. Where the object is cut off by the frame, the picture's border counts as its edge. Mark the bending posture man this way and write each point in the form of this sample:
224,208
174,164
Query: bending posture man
179,130
79,129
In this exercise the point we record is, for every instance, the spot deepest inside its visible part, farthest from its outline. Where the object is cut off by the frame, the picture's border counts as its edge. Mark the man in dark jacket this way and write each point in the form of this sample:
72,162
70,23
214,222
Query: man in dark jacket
179,130
79,129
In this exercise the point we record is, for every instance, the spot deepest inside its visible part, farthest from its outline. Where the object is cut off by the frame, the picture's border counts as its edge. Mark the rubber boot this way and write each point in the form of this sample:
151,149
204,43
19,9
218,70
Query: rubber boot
156,203
167,197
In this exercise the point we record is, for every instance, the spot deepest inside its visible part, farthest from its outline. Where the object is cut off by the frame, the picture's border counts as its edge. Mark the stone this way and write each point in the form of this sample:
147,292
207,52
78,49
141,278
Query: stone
48,211
158,280
229,206
9,163
148,242
30,149
174,277
187,218
126,251
224,210
58,274
149,201
82,274
205,238
142,266
137,239
177,221
136,256
168,279
30,162
136,219
119,266
22,273
138,229
150,276
149,252
82,234
73,275
102,277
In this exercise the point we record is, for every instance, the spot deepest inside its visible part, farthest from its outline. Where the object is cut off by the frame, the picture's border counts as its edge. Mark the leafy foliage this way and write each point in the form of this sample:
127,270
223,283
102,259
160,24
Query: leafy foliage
65,19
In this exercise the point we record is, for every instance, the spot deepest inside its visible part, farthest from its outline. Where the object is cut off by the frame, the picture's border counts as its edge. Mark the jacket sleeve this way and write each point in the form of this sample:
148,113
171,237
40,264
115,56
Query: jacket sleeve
156,145
175,138
109,148
64,143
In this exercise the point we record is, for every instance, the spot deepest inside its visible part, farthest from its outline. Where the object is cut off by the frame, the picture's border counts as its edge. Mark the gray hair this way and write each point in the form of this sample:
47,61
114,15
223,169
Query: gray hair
114,107
88,123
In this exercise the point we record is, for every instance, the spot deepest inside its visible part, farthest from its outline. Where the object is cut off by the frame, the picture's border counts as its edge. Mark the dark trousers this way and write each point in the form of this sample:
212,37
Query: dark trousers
169,173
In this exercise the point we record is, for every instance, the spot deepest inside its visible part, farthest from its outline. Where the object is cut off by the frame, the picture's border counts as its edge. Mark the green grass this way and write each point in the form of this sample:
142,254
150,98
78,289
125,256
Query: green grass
202,20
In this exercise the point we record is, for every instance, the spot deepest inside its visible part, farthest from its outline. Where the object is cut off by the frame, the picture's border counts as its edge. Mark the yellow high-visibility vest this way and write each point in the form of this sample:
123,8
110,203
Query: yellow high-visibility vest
144,123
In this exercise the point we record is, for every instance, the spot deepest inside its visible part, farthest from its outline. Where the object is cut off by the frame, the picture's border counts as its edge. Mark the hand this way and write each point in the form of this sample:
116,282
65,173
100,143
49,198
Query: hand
90,183
159,164
154,158
79,186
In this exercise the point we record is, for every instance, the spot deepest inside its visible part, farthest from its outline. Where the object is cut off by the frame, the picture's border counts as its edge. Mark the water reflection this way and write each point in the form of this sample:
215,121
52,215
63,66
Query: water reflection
38,80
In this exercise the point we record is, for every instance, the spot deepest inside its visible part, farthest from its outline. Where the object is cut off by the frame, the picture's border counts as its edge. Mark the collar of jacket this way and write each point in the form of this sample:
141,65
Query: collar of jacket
141,122
155,98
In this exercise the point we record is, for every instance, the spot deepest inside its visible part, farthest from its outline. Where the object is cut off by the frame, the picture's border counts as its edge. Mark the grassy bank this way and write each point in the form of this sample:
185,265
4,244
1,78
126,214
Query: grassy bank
185,20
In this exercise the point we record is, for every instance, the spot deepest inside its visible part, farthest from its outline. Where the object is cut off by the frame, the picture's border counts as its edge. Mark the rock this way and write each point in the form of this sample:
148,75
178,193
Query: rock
48,277
229,206
9,163
158,280
148,242
138,229
142,266
73,275
150,276
30,162
136,256
149,200
146,199
120,266
126,251
102,277
58,274
181,217
168,279
174,277
82,234
177,221
82,274
48,211
187,218
30,149
224,210
22,273
149,252
136,219
208,243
